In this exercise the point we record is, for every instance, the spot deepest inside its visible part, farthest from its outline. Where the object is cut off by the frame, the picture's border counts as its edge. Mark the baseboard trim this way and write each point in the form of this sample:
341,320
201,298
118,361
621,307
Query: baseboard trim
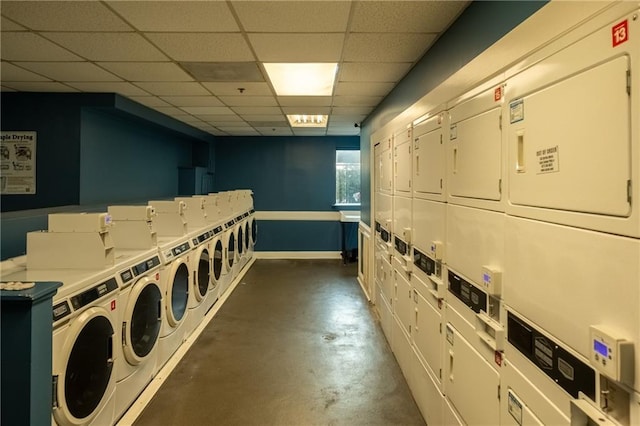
297,255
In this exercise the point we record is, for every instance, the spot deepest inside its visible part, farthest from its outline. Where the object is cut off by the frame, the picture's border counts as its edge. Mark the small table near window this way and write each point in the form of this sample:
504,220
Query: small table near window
348,222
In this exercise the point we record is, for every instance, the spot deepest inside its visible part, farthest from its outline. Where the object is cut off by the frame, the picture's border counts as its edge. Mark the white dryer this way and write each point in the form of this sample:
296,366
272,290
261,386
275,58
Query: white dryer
85,335
230,244
140,320
137,271
176,280
219,276
201,233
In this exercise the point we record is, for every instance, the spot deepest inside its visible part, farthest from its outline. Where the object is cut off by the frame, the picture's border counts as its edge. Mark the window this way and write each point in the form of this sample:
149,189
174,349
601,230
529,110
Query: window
348,176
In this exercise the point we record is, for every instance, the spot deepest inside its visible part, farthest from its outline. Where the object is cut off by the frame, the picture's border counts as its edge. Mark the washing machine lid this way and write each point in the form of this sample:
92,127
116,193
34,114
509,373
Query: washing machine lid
83,378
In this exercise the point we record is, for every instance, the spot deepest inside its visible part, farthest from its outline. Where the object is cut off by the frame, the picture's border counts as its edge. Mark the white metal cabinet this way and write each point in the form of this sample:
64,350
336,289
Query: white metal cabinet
402,350
386,318
475,160
402,224
573,133
429,155
384,165
402,163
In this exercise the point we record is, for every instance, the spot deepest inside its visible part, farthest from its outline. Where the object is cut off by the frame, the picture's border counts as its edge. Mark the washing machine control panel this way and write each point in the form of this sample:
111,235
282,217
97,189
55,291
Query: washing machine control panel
61,310
217,230
178,250
229,224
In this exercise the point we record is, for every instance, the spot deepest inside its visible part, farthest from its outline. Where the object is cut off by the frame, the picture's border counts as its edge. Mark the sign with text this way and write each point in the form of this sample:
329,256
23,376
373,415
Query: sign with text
18,162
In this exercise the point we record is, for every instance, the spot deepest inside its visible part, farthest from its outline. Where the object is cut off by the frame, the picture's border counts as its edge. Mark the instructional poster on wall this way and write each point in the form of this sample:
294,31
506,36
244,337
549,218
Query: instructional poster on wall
18,163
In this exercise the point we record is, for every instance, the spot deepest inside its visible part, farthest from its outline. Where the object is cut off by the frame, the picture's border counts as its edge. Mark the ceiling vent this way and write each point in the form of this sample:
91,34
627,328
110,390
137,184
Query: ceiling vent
223,71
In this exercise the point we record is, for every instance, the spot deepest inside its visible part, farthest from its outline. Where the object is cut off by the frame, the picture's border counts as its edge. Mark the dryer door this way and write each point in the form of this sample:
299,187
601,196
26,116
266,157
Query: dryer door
217,263
247,242
254,231
177,292
240,240
142,320
231,249
202,274
84,368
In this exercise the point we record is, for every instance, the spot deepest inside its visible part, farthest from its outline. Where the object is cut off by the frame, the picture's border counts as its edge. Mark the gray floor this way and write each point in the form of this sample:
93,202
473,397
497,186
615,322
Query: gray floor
295,344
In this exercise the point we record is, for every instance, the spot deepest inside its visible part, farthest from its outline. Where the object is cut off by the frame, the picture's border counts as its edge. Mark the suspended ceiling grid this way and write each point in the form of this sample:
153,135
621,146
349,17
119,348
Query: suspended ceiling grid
201,62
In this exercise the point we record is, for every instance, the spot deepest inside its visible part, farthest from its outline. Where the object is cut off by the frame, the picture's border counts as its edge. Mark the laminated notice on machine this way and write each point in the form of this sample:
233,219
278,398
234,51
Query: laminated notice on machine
548,160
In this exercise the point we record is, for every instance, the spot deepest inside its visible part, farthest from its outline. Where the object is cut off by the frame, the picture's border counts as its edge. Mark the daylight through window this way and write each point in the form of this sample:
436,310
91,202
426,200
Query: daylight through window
348,177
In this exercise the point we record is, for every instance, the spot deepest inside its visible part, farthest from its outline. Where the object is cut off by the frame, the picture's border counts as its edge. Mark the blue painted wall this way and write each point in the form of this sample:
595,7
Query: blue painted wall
285,174
122,160
93,150
480,25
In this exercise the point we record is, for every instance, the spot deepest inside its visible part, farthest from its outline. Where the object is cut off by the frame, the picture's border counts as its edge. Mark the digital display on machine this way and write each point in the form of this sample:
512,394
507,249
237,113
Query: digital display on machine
61,310
217,230
229,224
203,237
238,218
600,348
145,266
126,276
181,249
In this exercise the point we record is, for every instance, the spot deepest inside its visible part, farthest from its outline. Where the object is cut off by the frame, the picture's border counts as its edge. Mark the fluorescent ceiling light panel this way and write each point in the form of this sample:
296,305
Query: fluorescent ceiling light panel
308,120
308,79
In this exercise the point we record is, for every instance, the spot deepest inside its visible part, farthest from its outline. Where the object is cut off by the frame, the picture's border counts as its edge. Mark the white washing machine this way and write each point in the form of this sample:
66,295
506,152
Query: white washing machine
219,276
176,275
251,232
137,271
230,244
85,337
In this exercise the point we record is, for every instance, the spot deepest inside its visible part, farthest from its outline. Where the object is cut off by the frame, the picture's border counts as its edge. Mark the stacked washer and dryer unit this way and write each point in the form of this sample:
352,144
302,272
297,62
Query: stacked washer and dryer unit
510,287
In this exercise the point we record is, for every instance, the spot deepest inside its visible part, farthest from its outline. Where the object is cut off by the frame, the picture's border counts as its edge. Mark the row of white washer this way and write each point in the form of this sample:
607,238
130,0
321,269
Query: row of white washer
115,326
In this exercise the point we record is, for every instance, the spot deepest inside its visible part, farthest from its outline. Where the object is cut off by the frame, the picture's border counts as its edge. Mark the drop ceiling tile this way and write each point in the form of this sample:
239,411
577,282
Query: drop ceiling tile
265,124
363,89
404,16
307,131
304,100
347,119
123,88
217,132
229,124
193,101
108,46
147,71
203,110
9,72
38,86
8,25
231,89
293,16
368,72
257,101
150,101
393,47
169,110
69,71
306,110
188,119
257,110
218,47
219,117
64,16
7,89
256,118
181,16
356,101
22,46
343,131
274,131
174,88
351,110
297,47
240,131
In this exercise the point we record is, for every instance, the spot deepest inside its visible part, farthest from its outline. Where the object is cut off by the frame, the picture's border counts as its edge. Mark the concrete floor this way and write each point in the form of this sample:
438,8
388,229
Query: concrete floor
295,344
